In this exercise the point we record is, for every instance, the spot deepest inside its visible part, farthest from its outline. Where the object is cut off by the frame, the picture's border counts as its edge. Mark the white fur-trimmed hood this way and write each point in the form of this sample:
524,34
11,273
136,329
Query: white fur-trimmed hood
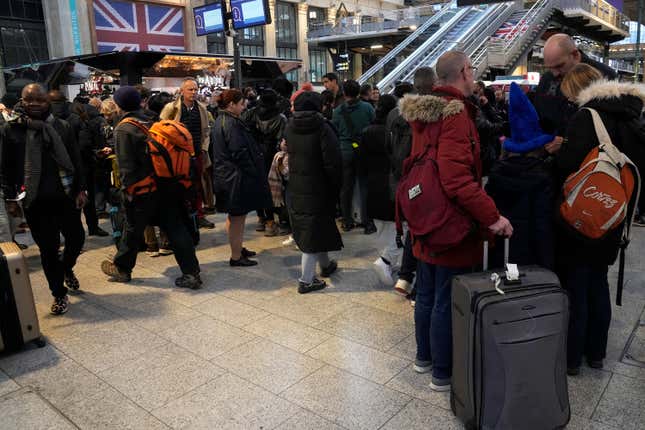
606,89
428,108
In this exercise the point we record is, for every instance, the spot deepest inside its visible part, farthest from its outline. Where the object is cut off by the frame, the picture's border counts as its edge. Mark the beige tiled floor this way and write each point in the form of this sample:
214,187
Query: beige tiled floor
248,352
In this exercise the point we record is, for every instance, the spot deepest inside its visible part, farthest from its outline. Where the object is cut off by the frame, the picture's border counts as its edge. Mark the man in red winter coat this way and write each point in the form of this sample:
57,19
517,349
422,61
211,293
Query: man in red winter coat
447,119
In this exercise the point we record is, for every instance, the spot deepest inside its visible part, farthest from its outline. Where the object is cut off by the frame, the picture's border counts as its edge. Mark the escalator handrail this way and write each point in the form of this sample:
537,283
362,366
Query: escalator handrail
407,41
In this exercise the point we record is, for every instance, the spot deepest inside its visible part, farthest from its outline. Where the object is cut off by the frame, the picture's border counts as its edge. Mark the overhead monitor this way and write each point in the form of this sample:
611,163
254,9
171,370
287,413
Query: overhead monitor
209,19
250,13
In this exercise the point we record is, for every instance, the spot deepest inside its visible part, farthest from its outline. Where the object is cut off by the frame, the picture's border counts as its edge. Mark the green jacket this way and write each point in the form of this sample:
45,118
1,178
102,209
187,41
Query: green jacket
361,114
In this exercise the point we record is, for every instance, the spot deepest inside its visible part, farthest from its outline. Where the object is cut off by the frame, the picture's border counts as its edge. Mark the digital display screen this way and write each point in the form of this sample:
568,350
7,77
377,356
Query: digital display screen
249,13
209,19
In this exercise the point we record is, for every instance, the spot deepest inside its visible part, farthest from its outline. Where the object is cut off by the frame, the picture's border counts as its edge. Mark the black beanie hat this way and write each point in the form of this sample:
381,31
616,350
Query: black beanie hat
308,101
127,98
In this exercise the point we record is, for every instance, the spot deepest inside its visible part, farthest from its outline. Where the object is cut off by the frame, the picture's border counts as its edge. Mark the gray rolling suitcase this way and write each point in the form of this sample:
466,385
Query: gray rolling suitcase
18,318
509,349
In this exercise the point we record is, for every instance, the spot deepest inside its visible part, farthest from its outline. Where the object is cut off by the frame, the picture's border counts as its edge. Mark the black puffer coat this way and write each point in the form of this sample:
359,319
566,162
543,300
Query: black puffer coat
620,106
239,174
375,165
315,176
523,189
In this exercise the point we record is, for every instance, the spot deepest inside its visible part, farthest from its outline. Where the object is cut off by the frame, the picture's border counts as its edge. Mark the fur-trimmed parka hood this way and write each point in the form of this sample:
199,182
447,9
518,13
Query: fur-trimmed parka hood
614,97
428,108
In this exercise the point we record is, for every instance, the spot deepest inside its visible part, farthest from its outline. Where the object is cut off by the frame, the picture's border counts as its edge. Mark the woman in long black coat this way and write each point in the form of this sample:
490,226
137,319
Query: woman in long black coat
239,175
375,165
583,264
315,175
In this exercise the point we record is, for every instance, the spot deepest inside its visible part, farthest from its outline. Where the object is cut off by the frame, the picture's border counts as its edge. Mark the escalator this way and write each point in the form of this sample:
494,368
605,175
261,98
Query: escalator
411,43
468,30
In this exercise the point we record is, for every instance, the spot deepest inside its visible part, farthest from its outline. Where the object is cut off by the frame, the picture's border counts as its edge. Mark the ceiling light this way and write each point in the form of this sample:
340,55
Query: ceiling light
376,46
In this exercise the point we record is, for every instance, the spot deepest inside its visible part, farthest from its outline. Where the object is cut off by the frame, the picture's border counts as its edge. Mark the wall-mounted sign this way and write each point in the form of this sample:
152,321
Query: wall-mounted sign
209,19
249,13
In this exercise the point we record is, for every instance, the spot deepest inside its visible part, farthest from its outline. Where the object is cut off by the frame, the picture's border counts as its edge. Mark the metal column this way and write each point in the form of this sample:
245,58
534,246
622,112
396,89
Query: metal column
637,63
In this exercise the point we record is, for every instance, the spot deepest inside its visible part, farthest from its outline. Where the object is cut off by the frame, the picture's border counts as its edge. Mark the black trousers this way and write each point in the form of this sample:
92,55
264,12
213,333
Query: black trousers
89,210
164,208
408,261
47,221
590,312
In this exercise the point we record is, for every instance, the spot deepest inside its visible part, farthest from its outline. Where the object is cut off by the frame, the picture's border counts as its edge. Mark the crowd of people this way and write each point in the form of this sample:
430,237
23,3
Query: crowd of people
304,161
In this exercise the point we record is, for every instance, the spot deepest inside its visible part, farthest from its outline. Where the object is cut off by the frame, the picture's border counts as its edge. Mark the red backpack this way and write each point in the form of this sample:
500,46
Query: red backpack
421,201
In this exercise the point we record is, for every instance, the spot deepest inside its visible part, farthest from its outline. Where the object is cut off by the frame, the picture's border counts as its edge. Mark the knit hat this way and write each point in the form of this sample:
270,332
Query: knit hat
526,134
308,101
127,98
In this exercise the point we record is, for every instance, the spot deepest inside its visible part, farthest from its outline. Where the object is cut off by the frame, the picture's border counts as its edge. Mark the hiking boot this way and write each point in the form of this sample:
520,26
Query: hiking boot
194,282
315,285
71,281
115,274
204,223
384,271
370,228
421,366
98,231
246,253
242,262
440,384
403,287
326,272
271,230
60,305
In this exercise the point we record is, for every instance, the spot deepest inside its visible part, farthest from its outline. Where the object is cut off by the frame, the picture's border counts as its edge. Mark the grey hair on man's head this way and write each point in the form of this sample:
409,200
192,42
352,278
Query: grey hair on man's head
450,65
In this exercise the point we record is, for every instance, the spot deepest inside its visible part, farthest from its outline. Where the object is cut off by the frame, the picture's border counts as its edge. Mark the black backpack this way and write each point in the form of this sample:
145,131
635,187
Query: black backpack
400,145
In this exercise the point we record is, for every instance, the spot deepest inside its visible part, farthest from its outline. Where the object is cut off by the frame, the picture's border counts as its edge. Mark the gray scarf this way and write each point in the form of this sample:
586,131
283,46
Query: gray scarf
41,136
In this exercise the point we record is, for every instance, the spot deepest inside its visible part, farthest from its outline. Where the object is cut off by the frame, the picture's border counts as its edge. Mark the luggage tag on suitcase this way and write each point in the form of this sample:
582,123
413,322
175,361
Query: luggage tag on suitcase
512,274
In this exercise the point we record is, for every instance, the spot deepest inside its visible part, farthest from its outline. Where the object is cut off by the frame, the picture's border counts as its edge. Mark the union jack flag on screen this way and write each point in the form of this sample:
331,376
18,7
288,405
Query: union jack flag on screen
137,26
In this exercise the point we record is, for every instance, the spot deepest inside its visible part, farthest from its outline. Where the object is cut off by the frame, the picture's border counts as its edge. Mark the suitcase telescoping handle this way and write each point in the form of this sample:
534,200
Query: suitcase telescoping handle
506,246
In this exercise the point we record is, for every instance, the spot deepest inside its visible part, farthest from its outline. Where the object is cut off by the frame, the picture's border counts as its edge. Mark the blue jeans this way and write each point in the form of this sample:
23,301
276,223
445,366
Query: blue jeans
432,316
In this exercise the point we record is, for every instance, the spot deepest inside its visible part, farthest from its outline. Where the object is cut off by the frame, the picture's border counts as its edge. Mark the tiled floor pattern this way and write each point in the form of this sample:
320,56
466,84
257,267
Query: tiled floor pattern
248,352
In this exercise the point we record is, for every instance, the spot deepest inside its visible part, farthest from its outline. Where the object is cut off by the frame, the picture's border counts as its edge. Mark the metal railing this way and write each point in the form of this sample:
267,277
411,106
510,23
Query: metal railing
384,20
502,50
407,41
599,8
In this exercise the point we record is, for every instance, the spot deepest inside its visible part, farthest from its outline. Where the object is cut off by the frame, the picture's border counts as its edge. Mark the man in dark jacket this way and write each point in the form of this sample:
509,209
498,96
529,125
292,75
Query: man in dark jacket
560,55
331,83
40,156
446,120
350,119
267,123
400,144
87,131
314,161
147,201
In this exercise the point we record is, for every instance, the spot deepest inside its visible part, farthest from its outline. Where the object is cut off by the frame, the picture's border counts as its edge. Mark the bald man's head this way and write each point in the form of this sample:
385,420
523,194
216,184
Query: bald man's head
34,101
455,69
560,54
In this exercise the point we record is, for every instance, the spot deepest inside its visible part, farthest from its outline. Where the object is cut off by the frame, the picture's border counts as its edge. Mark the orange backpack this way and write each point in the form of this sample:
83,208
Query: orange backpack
602,194
170,146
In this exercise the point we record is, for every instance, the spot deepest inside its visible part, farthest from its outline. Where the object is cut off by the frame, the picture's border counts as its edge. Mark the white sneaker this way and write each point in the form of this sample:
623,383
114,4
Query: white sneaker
403,287
384,272
289,241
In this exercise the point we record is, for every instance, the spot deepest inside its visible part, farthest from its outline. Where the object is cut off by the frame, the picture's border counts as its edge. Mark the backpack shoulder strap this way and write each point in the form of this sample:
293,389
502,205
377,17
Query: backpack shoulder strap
604,139
134,122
